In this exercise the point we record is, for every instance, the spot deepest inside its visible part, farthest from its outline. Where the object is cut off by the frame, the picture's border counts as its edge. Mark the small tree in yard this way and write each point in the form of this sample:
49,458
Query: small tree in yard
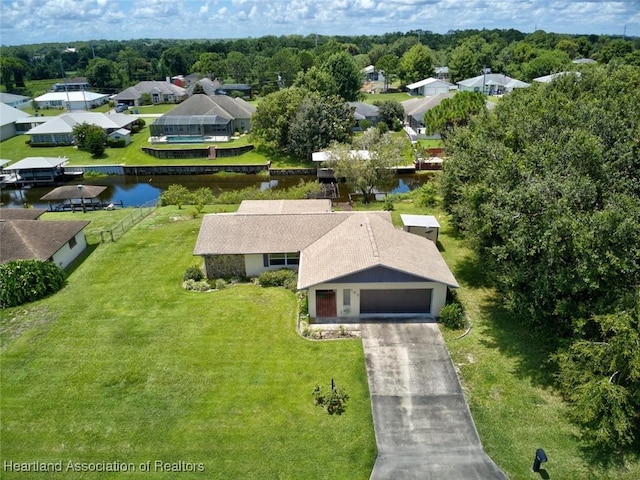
90,138
176,195
333,400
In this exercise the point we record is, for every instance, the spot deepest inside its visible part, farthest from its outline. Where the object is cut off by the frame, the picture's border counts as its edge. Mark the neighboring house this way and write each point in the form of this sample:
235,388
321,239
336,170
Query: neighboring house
584,60
160,92
429,87
121,134
71,100
490,84
416,108
550,78
16,101
352,264
24,237
8,118
372,75
59,130
364,111
208,86
426,226
229,88
442,73
77,84
202,115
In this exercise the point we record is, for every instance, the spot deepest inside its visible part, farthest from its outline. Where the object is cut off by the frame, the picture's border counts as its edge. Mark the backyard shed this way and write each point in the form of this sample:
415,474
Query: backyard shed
426,226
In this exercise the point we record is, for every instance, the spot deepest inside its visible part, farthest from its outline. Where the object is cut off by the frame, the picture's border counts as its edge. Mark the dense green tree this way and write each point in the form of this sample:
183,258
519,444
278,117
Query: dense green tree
454,112
174,61
239,67
342,68
546,187
416,64
284,67
391,113
388,65
12,72
316,80
211,65
24,281
616,48
547,62
90,138
272,120
319,121
103,74
599,372
469,58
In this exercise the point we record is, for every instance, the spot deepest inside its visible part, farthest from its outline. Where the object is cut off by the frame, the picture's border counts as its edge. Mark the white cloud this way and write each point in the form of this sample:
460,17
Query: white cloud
31,21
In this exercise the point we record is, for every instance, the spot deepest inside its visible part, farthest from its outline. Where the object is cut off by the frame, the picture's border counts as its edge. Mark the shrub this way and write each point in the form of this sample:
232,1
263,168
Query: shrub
201,286
220,284
452,316
23,281
333,401
193,273
388,205
279,278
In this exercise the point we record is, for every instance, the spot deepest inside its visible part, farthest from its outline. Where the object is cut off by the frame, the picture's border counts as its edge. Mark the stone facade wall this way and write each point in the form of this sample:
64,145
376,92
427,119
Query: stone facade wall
224,266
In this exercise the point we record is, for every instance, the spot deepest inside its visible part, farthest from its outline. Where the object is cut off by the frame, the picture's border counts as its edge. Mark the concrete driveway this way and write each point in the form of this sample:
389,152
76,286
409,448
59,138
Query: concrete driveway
423,426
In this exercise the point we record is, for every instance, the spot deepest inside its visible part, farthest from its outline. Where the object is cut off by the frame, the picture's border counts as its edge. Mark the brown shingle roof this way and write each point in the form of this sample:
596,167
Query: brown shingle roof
285,206
20,213
35,239
69,192
365,241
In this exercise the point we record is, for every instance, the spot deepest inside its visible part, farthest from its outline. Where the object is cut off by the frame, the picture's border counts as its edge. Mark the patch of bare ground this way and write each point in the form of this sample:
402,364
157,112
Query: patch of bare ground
14,324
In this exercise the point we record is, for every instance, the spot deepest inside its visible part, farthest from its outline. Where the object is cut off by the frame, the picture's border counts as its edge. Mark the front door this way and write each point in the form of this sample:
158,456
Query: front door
326,303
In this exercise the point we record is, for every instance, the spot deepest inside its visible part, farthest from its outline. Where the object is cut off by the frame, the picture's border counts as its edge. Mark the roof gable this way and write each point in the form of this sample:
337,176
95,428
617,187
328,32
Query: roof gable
10,115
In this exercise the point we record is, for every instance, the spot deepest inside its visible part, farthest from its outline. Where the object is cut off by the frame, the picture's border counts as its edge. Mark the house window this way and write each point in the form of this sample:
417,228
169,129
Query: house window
284,259
346,297
72,243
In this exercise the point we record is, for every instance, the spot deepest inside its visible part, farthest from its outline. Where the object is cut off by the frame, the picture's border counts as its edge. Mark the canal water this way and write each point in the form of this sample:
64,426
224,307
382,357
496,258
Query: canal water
134,191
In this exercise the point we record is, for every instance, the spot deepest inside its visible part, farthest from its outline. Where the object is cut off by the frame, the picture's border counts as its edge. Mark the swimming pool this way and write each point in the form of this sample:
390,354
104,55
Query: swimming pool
185,139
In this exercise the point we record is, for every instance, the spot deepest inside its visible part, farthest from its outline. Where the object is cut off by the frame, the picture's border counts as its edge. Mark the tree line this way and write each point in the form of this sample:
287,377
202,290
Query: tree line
269,63
546,188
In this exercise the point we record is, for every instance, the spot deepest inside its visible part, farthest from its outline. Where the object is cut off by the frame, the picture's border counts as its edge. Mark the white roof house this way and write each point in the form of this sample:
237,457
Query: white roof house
72,100
429,87
8,118
491,84
59,130
550,78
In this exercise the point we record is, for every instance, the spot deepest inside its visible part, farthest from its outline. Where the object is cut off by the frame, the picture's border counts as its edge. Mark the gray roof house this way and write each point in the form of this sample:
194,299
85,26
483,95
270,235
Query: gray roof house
15,101
24,237
353,264
8,118
490,84
160,92
208,86
364,111
415,109
203,115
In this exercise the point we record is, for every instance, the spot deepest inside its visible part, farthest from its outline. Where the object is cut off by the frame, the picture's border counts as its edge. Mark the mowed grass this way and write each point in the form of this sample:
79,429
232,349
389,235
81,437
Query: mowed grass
125,365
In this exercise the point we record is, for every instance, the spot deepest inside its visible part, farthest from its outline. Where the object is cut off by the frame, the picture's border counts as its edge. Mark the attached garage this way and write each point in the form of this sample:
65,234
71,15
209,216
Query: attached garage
416,300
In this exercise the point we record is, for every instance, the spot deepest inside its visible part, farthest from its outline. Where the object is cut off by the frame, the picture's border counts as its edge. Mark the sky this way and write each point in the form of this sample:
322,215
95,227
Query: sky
42,21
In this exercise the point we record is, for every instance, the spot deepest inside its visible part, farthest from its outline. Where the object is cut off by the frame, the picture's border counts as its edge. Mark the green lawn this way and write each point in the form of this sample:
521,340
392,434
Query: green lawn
379,97
125,365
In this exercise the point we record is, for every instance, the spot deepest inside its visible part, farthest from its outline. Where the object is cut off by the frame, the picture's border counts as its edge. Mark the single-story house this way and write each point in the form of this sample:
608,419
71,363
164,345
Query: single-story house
160,92
353,264
550,78
59,130
121,134
207,85
229,88
490,84
371,74
364,111
426,226
77,84
16,101
416,108
429,87
442,73
8,118
82,100
202,115
25,237
583,61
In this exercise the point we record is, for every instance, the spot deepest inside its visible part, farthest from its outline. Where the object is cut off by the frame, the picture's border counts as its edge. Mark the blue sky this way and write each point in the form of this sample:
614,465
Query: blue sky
37,21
